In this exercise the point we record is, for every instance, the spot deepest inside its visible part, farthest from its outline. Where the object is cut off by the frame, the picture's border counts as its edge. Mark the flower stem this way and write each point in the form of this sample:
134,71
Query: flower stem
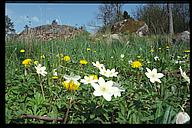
41,87
66,114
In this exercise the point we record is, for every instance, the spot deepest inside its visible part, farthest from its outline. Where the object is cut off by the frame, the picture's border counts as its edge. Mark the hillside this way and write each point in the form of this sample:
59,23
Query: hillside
50,32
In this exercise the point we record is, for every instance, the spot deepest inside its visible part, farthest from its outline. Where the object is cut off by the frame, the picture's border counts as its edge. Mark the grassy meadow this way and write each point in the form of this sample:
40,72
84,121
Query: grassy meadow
141,102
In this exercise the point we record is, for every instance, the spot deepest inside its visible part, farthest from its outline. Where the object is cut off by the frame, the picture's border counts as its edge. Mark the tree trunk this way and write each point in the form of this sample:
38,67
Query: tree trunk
171,32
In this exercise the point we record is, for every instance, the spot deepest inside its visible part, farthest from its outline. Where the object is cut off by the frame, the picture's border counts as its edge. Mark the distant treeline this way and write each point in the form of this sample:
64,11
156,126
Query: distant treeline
156,17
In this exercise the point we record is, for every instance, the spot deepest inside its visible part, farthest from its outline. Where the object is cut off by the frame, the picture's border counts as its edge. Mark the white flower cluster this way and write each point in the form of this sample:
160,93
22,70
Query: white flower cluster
104,88
104,71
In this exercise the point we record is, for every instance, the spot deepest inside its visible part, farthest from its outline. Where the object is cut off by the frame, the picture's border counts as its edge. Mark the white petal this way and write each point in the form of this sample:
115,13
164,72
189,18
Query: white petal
152,80
148,70
154,71
158,80
113,70
67,77
107,97
159,75
96,93
147,74
101,81
180,69
109,83
75,78
182,117
43,68
95,86
83,81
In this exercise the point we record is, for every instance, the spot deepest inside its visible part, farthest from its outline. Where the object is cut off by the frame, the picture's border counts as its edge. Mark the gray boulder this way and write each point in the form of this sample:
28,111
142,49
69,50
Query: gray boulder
183,37
142,30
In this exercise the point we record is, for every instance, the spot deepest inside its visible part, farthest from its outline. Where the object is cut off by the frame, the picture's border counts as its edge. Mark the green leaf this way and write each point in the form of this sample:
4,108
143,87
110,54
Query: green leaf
166,115
134,118
152,117
122,107
158,113
92,116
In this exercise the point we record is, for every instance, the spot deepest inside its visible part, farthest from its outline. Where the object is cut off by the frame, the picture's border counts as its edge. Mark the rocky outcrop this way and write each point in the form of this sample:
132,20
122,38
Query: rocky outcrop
142,30
181,37
49,32
130,26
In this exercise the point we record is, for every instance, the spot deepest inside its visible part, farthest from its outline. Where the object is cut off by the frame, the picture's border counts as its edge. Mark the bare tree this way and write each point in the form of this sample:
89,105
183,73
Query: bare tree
118,10
110,13
105,13
171,32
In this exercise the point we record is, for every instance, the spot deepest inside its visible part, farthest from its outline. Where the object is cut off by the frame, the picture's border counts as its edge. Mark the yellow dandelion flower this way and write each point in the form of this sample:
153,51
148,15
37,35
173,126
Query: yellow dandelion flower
27,62
66,58
71,85
82,61
136,64
88,49
94,51
187,51
22,50
159,48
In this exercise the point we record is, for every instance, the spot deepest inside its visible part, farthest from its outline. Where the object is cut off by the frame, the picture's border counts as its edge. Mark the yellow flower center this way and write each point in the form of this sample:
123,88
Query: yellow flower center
103,89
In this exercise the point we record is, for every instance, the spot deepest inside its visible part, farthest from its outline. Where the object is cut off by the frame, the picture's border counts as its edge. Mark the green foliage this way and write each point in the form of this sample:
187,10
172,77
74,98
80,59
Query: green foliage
141,103
9,26
156,17
126,15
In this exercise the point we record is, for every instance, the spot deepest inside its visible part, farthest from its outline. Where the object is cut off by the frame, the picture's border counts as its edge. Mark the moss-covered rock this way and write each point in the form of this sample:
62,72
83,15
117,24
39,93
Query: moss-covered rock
130,26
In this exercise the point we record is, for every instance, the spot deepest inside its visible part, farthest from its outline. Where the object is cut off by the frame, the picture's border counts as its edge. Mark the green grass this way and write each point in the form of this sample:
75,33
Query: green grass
142,102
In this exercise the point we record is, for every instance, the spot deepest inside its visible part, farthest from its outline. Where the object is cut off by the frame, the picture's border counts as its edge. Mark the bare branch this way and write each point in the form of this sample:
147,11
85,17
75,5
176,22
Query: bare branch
45,118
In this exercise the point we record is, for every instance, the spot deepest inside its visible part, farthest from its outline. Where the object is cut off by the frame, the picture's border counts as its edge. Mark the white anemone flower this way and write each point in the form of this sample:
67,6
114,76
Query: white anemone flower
41,70
156,58
117,90
54,72
182,117
122,55
112,73
183,74
88,80
153,75
130,61
108,72
98,65
104,72
103,88
72,77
